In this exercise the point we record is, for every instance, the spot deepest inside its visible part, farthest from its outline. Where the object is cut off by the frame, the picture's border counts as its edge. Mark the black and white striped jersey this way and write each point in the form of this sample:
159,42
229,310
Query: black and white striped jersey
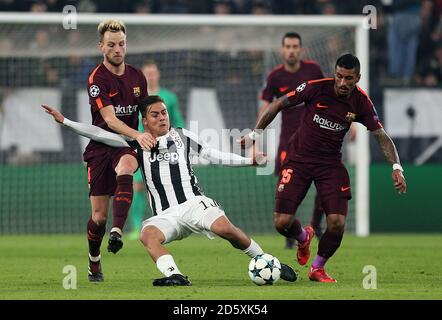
167,170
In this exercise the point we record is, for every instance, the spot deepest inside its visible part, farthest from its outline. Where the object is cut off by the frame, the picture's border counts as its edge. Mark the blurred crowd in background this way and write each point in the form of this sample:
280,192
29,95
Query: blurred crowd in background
411,30
405,49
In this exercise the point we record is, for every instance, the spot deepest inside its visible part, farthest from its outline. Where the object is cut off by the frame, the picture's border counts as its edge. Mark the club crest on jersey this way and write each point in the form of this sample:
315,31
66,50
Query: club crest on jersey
94,91
176,139
281,187
137,91
301,87
350,117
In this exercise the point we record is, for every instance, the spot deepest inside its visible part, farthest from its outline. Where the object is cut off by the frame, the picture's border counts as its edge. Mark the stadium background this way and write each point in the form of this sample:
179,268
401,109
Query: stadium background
45,191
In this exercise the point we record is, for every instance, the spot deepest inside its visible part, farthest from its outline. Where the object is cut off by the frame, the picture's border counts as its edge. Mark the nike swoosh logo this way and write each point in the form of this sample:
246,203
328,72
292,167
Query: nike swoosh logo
318,105
112,94
343,189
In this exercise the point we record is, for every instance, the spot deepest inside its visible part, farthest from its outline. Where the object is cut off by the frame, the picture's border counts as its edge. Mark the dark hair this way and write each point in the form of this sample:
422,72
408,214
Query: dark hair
292,35
146,102
349,61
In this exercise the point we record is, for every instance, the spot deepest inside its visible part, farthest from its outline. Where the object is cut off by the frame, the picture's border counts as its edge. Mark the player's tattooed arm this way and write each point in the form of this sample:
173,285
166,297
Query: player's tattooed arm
390,153
266,117
387,146
269,113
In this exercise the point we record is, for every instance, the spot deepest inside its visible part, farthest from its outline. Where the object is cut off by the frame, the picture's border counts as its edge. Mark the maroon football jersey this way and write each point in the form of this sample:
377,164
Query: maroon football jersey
327,119
122,92
280,82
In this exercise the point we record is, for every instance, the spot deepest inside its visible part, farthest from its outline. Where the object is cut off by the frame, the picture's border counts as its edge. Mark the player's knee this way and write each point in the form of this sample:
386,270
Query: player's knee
281,222
127,165
143,238
224,229
124,170
336,226
99,218
150,237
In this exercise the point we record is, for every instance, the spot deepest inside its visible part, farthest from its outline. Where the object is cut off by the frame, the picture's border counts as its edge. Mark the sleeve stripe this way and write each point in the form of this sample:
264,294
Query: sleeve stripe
275,69
91,77
99,103
319,80
364,93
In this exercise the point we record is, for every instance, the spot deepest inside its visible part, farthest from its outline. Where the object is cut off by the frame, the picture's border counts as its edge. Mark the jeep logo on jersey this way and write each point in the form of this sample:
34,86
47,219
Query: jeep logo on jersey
301,87
94,91
327,124
171,157
125,111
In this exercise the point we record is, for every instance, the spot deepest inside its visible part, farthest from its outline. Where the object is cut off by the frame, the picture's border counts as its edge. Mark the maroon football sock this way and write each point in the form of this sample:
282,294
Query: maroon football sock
318,212
295,231
122,200
95,235
329,243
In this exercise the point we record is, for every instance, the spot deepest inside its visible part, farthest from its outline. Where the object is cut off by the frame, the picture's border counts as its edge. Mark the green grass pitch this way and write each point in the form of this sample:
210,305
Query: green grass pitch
407,267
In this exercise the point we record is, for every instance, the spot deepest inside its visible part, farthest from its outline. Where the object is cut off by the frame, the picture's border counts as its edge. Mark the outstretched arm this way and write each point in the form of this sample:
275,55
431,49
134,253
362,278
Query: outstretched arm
89,131
231,159
217,157
389,150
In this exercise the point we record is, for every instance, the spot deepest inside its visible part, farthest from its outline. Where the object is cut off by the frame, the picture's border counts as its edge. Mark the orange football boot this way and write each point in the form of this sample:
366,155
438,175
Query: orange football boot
303,253
319,274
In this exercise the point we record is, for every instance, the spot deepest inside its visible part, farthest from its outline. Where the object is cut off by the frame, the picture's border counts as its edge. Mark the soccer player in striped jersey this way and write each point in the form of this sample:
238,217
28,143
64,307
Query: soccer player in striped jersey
331,106
180,208
138,207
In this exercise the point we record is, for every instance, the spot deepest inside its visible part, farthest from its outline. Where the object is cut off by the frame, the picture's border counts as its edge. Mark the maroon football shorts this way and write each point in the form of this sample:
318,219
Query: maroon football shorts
331,180
102,178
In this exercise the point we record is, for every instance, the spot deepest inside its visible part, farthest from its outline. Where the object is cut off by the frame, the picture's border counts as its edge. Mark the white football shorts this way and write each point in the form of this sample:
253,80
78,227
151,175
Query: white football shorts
193,216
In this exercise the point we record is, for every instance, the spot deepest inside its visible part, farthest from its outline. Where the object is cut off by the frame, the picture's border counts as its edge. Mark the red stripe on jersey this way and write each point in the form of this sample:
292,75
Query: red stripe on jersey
288,95
320,80
310,62
282,156
99,103
91,77
364,93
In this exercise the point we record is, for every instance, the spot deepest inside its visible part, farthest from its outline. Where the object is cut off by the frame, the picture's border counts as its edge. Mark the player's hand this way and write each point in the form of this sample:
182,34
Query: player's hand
146,141
399,181
56,114
260,159
245,142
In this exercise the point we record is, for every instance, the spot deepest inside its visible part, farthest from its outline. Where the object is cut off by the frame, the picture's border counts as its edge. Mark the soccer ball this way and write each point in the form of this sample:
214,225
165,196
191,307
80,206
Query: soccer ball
264,269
